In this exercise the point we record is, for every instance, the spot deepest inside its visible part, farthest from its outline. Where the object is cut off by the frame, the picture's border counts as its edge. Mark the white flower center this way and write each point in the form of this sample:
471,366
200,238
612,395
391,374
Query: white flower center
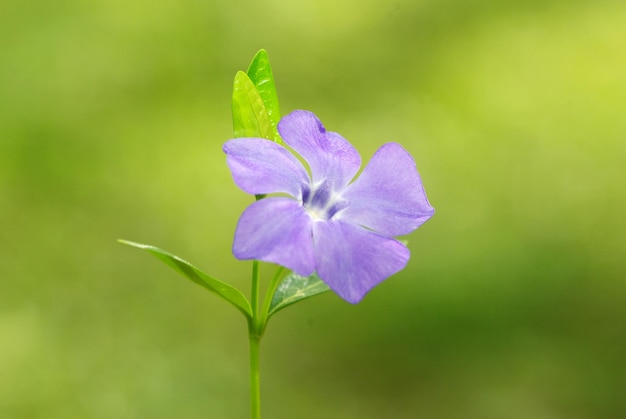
320,202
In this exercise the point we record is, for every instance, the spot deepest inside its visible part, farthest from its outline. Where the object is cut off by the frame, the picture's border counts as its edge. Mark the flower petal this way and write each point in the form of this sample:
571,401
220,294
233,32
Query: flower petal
352,260
261,166
388,197
330,156
276,230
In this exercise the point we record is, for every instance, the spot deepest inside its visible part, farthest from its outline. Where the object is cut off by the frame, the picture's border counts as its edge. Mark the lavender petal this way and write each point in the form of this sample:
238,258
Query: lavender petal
352,260
260,166
388,197
276,230
330,156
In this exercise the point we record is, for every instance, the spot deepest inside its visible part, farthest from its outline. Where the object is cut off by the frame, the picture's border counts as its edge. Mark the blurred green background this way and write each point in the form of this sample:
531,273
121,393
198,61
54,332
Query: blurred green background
112,117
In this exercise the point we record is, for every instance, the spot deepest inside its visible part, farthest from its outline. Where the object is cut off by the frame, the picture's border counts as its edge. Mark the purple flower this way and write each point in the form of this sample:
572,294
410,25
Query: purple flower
342,231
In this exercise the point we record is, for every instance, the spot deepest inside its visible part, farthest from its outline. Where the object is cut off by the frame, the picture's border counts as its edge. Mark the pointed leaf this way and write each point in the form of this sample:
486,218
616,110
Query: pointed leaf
260,73
227,292
250,118
295,288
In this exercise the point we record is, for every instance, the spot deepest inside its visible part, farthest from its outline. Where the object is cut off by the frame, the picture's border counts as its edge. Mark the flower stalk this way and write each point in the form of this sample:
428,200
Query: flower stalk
255,382
254,336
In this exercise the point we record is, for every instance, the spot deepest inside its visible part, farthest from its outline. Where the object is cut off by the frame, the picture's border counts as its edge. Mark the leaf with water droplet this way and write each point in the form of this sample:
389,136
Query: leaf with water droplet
296,288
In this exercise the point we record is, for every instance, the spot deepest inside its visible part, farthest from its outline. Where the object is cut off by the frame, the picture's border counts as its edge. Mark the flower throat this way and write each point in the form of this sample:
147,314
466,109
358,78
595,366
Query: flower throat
321,203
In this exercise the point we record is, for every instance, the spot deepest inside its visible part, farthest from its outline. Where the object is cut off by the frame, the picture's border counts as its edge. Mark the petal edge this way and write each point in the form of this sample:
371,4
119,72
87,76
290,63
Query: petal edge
388,197
352,260
276,230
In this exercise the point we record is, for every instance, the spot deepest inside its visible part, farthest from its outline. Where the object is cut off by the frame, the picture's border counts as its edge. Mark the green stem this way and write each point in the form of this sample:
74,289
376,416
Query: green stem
255,383
255,340
256,327
255,292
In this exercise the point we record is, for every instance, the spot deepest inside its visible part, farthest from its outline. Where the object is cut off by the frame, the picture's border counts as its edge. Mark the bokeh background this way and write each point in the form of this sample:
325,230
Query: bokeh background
112,117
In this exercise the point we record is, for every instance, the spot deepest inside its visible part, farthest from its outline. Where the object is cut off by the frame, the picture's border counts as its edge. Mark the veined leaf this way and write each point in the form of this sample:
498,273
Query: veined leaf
227,292
260,73
295,288
250,117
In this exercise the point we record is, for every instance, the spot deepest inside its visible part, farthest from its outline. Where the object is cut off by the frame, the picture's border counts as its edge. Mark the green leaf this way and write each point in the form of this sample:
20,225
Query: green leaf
227,292
295,288
250,118
260,73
